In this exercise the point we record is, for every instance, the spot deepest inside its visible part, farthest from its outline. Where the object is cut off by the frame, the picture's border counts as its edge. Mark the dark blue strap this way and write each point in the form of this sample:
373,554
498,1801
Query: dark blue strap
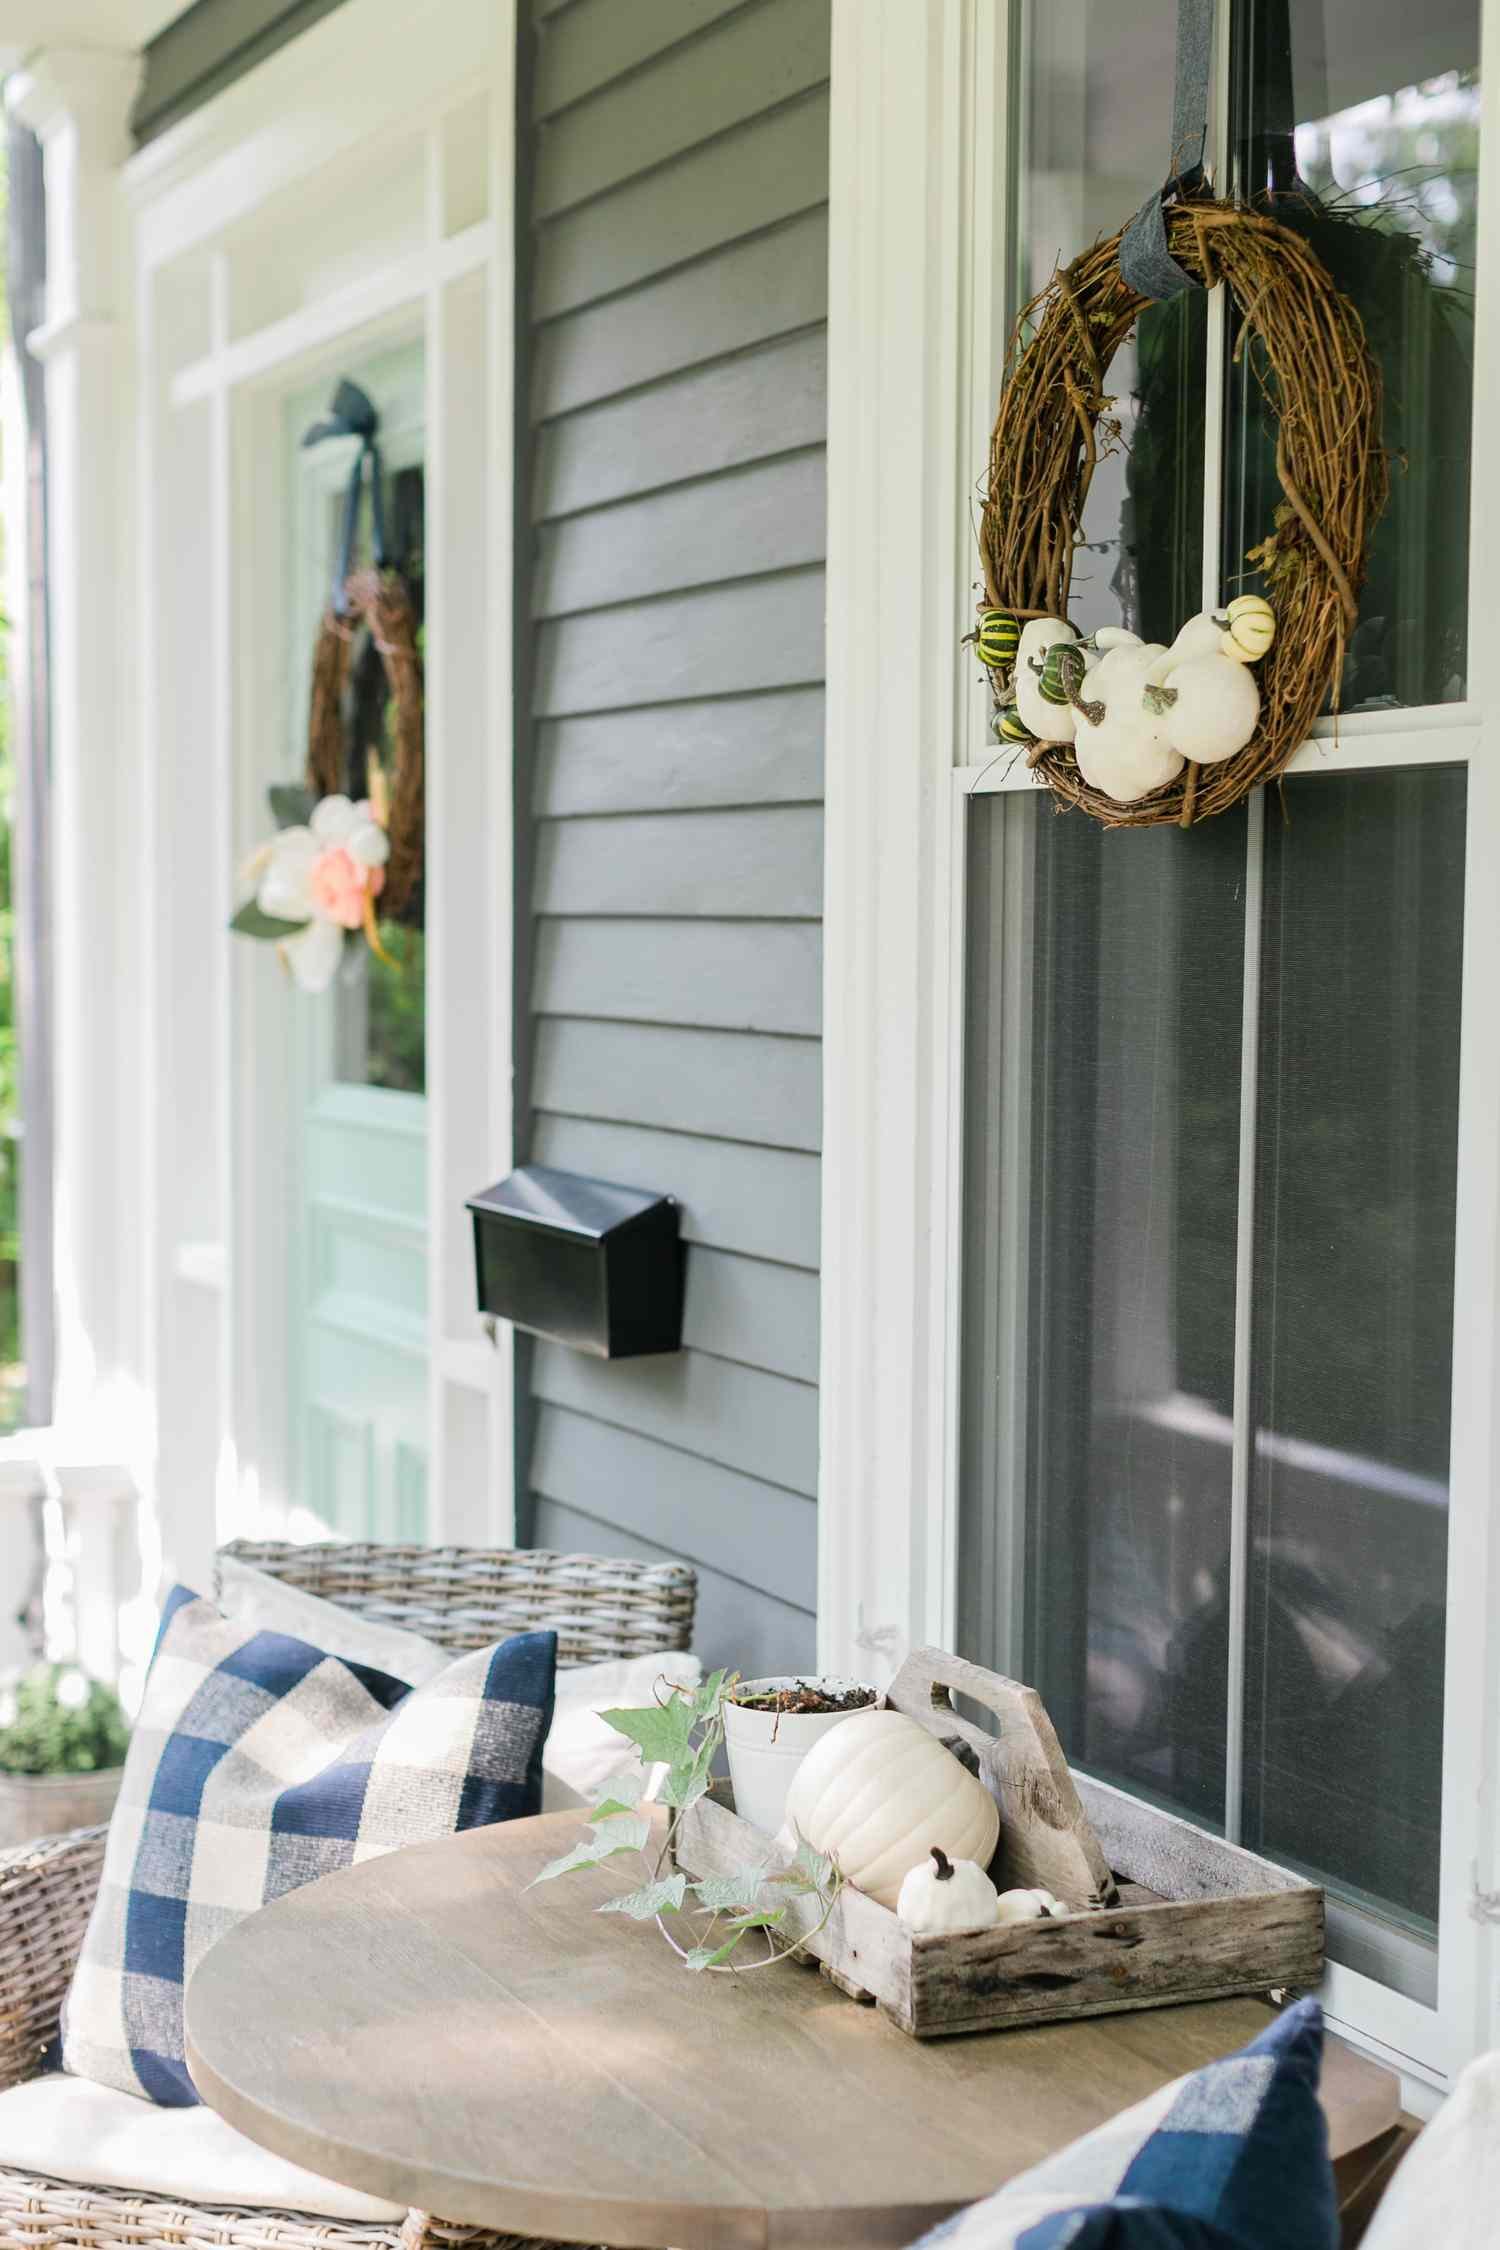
1145,261
353,415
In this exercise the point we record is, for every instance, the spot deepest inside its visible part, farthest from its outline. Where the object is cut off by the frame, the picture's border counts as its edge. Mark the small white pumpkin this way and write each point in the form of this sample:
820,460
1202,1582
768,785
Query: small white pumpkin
1123,751
1252,627
1213,704
1027,1906
946,1895
878,1791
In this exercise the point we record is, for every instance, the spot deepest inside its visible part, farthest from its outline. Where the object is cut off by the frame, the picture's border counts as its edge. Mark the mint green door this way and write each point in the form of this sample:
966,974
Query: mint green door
358,1366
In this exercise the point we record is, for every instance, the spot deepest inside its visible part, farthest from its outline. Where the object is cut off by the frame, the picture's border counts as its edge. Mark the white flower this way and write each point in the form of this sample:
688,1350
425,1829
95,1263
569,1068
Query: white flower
368,843
285,886
313,955
334,820
72,1689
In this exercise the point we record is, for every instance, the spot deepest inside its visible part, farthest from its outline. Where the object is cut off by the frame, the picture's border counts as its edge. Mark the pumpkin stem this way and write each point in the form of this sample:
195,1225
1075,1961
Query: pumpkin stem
944,1864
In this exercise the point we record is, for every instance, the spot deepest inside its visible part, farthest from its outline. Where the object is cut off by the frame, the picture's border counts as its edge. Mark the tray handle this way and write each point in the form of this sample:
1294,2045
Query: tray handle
1046,1839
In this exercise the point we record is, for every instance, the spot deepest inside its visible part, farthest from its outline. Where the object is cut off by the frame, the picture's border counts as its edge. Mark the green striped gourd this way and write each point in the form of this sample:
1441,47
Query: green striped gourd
999,634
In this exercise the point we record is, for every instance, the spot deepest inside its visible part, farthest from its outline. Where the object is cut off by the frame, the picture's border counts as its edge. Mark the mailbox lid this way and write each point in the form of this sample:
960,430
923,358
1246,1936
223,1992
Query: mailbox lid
568,1203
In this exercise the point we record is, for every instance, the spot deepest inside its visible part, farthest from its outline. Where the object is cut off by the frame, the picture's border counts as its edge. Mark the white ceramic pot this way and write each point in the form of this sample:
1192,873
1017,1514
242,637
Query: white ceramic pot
48,1804
766,1747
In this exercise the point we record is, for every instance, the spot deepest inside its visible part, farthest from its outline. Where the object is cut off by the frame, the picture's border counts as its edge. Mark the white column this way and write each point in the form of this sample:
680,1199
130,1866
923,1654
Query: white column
77,101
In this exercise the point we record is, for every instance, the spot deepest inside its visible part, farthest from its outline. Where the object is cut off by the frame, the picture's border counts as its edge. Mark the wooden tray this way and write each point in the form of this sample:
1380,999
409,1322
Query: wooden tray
1165,1912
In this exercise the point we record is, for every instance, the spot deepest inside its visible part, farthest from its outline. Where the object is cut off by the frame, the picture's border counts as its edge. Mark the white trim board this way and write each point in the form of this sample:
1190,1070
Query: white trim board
919,251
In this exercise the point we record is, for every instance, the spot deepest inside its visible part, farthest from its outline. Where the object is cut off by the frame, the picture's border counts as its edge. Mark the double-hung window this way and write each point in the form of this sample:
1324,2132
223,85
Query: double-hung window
1219,1084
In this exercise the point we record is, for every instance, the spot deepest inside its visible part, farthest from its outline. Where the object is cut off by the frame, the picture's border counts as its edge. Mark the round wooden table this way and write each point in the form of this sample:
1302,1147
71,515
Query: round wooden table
425,2028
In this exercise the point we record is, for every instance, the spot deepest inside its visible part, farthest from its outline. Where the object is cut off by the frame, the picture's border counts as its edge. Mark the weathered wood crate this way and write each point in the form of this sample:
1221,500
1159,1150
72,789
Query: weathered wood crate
1162,1911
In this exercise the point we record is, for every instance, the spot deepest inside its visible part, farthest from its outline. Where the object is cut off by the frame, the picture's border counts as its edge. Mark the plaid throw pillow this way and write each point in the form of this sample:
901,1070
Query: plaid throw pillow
1233,2158
257,1764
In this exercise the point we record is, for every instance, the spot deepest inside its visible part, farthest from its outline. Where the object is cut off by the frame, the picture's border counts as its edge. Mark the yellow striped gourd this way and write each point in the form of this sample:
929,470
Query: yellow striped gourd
998,637
1011,727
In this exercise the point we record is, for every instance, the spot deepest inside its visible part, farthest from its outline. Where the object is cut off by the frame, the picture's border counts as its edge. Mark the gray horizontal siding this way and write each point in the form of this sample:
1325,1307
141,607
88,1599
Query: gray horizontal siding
711,1516
744,65
672,541
762,861
677,397
760,1202
771,285
724,976
686,757
737,1619
764,402
753,177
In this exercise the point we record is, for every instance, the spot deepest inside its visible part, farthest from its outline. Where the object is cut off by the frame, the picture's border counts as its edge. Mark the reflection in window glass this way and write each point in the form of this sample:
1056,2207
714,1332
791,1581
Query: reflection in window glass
1353,1330
1129,1292
1357,121
1098,128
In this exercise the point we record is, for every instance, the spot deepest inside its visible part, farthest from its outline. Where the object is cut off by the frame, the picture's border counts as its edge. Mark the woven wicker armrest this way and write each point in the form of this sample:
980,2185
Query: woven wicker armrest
46,1891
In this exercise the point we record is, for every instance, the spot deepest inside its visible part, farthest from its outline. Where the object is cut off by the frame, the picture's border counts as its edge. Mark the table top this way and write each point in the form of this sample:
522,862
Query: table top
425,2028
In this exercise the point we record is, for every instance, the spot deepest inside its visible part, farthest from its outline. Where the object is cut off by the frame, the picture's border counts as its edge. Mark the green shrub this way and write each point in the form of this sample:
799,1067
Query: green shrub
55,1719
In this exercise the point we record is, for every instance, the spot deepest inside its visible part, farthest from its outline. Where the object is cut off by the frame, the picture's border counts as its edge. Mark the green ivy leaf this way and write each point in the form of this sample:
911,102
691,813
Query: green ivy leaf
251,922
685,1784
622,1792
758,1918
706,1701
709,1957
619,1833
662,1732
291,804
811,1872
663,1897
722,1893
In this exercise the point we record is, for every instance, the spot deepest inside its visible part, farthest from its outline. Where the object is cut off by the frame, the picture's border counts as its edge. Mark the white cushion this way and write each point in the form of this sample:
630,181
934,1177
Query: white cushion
253,1597
579,1754
1446,2191
95,2136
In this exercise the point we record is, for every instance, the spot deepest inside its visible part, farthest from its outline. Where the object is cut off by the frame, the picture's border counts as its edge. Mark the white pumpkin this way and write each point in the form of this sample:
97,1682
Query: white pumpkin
1123,752
1027,1906
1214,708
878,1791
946,1895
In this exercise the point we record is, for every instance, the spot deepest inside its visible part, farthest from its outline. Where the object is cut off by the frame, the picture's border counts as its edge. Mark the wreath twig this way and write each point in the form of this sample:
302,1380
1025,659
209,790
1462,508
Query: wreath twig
378,599
1323,385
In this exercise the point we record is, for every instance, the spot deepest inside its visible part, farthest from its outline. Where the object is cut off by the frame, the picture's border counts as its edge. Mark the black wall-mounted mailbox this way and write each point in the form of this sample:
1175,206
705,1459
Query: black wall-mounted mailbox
581,1261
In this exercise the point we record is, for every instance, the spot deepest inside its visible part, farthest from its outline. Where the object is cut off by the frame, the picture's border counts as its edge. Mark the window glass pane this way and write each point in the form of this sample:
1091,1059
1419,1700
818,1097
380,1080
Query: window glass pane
1353,1328
1123,1017
1097,131
1359,120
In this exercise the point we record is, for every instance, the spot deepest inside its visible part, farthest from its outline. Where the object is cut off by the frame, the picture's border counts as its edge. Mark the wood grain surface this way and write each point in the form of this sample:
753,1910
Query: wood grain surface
428,2029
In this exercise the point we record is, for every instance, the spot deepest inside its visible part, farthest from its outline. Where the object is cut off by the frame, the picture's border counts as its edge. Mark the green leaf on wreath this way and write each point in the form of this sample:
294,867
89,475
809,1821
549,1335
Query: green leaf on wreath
291,804
252,922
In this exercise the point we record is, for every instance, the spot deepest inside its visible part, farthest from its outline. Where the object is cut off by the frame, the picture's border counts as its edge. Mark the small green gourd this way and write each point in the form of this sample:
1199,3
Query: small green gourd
998,638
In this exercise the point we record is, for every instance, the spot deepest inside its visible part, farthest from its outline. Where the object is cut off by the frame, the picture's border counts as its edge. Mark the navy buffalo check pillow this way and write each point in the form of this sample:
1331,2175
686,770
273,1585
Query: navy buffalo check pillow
1233,2158
258,1763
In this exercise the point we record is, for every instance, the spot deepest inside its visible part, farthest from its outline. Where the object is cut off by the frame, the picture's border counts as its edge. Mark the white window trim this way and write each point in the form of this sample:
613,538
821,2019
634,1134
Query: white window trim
918,320
352,83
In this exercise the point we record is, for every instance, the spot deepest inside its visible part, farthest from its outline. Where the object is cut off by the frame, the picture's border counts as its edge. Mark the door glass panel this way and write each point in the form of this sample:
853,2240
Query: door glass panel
1353,1331
1097,129
357,1257
1359,121
1130,972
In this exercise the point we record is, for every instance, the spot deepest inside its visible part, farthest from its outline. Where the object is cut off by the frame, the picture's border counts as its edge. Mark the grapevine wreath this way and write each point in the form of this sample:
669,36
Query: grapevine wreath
1307,346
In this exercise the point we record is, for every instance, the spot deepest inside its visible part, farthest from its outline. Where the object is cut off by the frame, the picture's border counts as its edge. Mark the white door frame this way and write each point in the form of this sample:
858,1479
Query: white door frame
214,348
918,322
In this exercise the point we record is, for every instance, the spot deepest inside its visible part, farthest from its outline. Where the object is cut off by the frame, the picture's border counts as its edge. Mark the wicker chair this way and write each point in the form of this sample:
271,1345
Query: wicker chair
461,1597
